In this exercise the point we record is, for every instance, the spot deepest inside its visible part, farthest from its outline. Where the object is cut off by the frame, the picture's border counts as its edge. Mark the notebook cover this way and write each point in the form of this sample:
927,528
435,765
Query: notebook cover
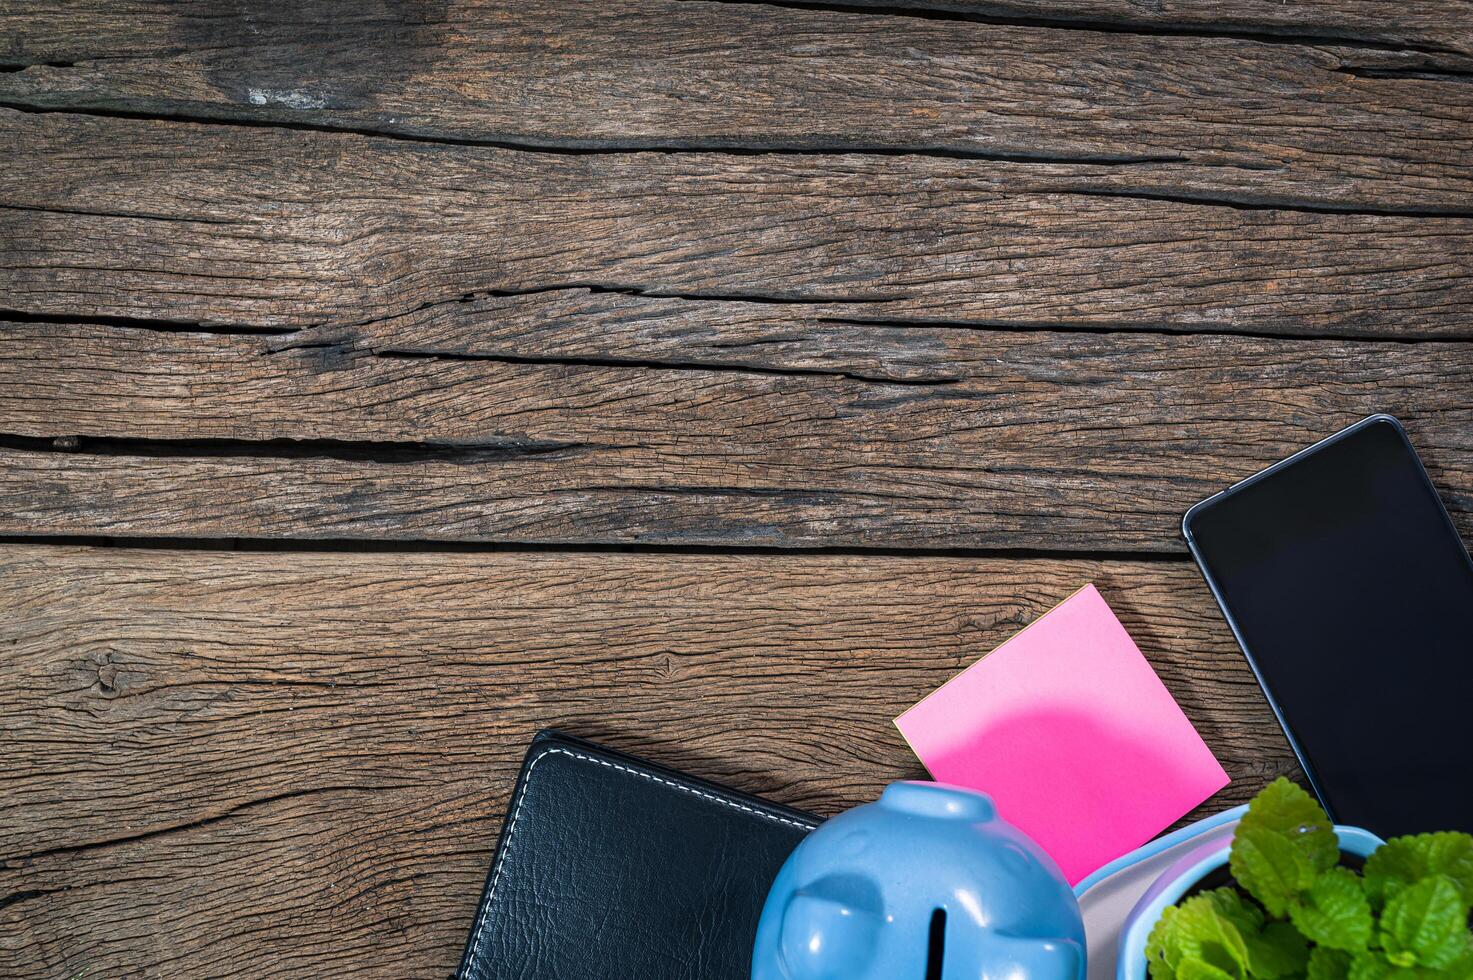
610,866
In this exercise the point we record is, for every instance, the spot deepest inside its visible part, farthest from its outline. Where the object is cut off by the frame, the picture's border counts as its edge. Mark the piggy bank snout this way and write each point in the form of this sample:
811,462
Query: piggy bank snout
831,927
1023,957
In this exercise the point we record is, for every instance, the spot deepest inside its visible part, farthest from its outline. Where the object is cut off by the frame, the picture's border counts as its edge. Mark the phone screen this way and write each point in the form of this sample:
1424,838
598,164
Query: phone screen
1352,595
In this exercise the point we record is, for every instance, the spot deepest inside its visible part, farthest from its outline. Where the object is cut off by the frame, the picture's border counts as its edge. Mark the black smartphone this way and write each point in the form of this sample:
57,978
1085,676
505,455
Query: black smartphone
1351,593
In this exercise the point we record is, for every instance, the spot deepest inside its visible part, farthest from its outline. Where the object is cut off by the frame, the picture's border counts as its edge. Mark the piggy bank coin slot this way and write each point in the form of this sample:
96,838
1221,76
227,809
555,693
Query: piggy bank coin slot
936,945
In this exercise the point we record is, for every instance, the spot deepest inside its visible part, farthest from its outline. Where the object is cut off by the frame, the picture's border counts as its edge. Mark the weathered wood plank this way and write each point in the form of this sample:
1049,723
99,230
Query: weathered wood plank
69,30
271,227
1439,26
1230,118
241,764
576,416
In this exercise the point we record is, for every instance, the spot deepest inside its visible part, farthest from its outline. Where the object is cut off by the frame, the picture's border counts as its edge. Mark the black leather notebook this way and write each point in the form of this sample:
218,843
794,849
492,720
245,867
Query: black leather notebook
612,868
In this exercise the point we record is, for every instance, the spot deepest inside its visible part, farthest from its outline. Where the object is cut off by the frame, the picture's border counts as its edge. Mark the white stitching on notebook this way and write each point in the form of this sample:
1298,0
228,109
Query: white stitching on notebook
516,813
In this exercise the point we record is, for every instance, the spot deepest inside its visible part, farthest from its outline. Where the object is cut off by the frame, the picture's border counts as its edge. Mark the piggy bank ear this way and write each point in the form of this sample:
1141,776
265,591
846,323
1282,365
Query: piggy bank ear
831,928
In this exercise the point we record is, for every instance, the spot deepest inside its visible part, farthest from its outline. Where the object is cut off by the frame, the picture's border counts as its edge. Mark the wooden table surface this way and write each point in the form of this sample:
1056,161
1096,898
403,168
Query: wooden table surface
383,381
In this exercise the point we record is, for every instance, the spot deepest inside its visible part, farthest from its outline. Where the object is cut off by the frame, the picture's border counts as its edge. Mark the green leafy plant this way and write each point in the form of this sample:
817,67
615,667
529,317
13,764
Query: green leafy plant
1295,913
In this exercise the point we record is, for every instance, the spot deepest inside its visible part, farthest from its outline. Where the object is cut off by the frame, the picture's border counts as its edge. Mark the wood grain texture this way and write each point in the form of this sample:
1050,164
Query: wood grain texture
233,225
74,30
1230,118
248,764
1436,27
933,275
579,416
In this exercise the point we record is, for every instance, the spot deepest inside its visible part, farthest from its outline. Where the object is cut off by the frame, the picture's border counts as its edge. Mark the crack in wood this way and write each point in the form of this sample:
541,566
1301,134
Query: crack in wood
26,859
658,365
573,146
898,322
720,147
14,66
343,450
1409,74
344,343
152,324
341,346
649,292
423,546
1244,202
980,13
1197,329
15,898
140,216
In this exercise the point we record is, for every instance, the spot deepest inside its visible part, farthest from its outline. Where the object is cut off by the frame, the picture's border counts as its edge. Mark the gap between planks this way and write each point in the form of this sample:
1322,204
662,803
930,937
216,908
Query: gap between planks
391,546
1091,327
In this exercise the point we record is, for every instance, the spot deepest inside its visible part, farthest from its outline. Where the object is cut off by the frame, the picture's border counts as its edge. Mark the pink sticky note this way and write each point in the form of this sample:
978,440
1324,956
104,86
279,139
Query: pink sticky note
1072,734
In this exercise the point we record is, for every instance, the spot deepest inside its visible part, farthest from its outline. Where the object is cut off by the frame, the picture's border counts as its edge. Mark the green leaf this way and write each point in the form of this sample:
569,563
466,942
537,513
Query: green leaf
1242,913
1335,911
1194,969
1286,809
1270,867
1392,867
1403,861
1162,949
1203,933
1373,966
1448,853
1462,969
1369,966
1278,951
1328,964
1426,924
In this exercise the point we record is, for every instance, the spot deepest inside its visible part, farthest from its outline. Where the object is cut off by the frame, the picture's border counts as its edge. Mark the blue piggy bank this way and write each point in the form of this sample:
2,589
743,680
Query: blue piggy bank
927,883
